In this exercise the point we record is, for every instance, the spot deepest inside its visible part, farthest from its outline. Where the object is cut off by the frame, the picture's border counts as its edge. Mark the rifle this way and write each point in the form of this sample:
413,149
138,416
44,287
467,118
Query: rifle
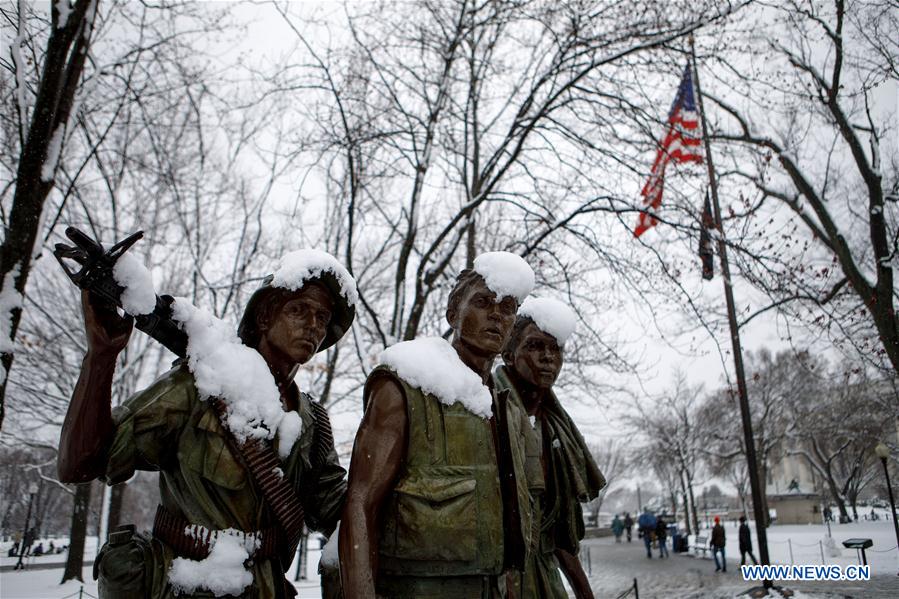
95,275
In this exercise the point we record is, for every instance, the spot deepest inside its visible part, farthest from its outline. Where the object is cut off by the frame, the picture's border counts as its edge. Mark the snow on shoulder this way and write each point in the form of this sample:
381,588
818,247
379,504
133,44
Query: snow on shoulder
505,274
299,266
224,367
551,316
432,365
139,295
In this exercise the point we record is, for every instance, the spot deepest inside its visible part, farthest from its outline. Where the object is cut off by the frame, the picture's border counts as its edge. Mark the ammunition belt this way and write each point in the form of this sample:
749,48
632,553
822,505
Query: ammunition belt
194,541
265,469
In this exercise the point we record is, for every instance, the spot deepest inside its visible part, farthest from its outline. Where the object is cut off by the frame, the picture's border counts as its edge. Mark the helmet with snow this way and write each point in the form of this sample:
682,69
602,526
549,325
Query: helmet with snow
551,316
295,270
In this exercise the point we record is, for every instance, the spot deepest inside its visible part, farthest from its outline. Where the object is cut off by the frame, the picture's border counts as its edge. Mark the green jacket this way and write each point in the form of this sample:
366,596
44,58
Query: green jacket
167,428
448,514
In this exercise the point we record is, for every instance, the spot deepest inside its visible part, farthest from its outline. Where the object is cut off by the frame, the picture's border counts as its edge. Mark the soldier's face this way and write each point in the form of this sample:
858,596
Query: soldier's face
483,323
538,357
298,328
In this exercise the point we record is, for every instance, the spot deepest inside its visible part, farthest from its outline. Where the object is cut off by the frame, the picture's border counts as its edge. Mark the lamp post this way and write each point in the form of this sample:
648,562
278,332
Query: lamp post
883,452
32,491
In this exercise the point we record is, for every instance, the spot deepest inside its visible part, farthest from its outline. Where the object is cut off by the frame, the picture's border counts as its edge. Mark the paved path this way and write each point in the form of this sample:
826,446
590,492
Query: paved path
613,566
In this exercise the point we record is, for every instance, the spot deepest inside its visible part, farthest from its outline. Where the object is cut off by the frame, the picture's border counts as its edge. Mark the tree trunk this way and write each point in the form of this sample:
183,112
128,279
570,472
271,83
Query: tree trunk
693,503
683,488
75,557
763,484
841,503
66,52
673,496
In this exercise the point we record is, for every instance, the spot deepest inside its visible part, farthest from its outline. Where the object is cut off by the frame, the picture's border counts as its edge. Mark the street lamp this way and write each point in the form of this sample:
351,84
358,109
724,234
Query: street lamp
32,491
883,452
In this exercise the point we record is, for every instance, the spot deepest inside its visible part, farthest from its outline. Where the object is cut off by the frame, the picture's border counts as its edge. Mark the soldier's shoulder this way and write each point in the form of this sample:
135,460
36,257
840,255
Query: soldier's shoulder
381,381
176,387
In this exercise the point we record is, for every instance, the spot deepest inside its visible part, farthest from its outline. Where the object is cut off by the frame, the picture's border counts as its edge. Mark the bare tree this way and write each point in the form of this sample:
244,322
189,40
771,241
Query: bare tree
674,438
775,383
836,433
611,457
820,235
139,156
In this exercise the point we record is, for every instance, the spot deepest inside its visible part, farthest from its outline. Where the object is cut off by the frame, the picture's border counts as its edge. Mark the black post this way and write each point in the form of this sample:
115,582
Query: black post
19,564
886,473
636,591
761,518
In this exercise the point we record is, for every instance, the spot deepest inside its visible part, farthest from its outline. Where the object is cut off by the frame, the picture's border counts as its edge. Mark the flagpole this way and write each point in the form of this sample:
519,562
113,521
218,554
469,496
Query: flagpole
761,518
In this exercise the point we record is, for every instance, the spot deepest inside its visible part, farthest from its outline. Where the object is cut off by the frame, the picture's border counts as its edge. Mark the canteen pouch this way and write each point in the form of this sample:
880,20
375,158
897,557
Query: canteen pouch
128,564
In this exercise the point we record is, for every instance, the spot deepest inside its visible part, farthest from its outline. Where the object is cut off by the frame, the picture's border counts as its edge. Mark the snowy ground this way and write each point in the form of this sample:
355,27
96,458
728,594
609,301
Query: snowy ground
611,567
44,584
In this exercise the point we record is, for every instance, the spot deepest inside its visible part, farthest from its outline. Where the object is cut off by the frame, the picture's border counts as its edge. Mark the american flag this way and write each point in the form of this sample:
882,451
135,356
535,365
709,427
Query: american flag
681,144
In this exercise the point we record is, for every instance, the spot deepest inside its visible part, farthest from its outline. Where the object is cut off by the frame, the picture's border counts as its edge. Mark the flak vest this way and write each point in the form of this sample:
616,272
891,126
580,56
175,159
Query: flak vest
444,516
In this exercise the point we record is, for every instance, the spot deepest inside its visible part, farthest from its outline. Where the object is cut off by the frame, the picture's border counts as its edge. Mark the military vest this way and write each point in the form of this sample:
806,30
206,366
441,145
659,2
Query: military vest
444,516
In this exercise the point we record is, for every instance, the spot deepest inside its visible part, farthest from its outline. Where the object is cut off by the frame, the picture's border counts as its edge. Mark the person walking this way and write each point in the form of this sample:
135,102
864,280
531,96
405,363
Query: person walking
662,536
628,525
647,526
717,544
617,528
745,542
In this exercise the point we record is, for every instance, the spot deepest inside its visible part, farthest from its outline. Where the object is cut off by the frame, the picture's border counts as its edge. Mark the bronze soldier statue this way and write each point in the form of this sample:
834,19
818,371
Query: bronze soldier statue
532,362
208,480
437,499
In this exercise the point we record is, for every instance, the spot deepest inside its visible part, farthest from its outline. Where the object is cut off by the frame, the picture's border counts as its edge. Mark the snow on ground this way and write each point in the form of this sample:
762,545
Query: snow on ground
44,584
613,566
803,540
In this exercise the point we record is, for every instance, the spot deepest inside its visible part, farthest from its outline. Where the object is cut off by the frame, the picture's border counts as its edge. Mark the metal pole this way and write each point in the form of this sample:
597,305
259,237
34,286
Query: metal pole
761,518
886,473
636,590
790,545
821,547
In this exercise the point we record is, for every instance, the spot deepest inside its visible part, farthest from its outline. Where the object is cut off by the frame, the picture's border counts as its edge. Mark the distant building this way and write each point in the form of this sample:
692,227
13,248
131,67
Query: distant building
796,508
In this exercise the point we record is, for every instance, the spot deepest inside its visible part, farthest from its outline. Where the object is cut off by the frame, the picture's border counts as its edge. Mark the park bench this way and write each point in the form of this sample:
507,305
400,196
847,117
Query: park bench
701,543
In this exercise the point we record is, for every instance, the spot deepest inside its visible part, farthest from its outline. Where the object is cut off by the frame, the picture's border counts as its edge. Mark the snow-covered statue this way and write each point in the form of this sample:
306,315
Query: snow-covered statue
244,458
532,362
437,502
